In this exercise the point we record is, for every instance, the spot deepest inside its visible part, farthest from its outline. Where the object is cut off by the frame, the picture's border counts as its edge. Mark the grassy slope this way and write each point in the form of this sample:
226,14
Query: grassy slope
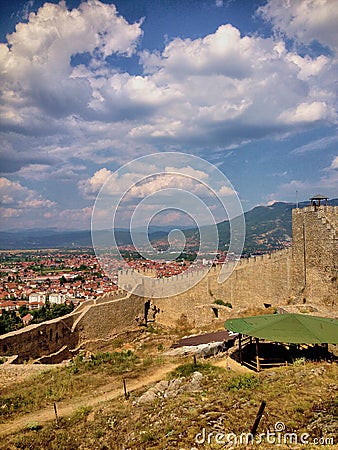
302,397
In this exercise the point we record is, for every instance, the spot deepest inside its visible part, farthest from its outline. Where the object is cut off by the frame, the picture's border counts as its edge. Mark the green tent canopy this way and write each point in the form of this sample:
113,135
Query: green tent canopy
287,328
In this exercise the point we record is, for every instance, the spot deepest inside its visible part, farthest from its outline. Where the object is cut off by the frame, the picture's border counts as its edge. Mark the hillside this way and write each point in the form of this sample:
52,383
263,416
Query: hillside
267,227
93,413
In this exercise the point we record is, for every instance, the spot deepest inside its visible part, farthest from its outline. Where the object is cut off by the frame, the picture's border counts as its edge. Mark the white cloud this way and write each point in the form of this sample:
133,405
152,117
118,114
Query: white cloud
16,198
223,52
334,164
95,183
220,90
197,95
318,144
305,20
140,184
80,218
36,64
231,89
308,66
306,112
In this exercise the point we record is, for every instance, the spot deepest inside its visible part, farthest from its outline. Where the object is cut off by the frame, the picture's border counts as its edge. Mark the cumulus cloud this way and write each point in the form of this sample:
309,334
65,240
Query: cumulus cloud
231,89
17,199
220,90
94,184
139,184
37,73
304,20
306,112
334,164
64,104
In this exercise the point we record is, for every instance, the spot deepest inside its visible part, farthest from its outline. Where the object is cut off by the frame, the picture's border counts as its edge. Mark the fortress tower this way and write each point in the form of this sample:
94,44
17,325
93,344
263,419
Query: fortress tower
315,252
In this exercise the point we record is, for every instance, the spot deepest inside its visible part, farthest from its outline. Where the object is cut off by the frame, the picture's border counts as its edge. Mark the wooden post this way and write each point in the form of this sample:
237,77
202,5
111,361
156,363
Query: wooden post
258,418
257,355
56,415
126,393
240,347
195,361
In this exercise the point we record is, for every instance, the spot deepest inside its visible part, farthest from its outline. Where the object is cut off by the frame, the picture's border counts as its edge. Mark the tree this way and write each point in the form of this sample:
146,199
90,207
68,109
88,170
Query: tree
23,310
9,321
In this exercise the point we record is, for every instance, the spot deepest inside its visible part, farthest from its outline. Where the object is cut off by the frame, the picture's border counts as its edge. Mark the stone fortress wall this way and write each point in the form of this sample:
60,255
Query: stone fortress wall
305,273
315,254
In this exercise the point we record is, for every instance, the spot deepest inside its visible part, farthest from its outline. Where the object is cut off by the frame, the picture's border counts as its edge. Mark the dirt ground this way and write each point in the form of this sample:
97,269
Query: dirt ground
65,408
14,373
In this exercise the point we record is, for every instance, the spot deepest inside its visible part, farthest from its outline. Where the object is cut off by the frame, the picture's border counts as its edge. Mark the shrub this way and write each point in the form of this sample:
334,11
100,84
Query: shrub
80,413
186,370
33,426
246,381
222,303
115,362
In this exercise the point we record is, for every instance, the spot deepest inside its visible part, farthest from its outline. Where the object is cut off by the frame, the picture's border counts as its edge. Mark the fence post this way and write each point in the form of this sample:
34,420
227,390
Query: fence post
126,393
258,418
56,415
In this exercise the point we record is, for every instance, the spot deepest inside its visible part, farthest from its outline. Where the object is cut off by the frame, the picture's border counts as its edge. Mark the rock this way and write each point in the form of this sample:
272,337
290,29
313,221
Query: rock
147,397
170,389
195,382
161,386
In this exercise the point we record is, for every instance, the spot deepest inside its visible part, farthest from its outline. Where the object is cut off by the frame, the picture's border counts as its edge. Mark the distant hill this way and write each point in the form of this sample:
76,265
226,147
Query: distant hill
267,228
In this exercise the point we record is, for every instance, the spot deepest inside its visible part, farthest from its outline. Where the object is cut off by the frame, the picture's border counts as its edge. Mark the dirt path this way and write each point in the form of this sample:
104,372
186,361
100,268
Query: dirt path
67,407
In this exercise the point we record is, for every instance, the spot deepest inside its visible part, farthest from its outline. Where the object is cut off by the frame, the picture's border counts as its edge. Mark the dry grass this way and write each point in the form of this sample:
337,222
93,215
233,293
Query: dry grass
302,397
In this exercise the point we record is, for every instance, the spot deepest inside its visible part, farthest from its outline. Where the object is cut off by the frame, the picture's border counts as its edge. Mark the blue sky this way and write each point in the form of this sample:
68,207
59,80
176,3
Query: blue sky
85,88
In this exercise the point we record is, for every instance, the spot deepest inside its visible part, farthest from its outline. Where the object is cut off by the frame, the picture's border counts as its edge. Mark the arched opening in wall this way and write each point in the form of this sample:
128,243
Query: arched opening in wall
146,311
5,348
215,311
56,337
50,334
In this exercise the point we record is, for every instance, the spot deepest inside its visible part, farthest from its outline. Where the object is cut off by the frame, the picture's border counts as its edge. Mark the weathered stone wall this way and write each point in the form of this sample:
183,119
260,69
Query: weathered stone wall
106,319
315,255
41,339
255,282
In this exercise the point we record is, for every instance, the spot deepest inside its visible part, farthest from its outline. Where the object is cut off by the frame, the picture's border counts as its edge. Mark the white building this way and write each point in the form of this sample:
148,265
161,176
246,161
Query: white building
37,297
56,298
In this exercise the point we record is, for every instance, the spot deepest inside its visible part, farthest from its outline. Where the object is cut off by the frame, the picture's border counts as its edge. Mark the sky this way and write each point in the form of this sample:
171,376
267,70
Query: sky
250,86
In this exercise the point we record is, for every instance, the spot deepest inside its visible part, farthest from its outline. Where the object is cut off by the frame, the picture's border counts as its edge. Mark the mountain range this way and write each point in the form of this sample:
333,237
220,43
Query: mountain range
267,228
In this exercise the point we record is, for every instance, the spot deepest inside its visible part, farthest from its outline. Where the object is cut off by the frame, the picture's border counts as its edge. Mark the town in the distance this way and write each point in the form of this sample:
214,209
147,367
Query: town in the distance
36,285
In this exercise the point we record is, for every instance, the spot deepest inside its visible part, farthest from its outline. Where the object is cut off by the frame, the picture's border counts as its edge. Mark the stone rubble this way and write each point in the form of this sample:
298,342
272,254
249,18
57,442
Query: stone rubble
169,389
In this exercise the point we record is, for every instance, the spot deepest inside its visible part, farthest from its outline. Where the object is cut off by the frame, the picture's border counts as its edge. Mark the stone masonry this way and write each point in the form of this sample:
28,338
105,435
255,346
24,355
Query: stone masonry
304,274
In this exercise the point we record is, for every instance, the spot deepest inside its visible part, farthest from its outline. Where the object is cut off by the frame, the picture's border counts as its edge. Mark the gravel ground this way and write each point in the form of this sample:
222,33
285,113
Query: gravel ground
14,373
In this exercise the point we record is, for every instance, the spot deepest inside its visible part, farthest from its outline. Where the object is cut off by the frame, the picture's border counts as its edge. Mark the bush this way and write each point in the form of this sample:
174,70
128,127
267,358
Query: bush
115,362
246,381
222,303
186,370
